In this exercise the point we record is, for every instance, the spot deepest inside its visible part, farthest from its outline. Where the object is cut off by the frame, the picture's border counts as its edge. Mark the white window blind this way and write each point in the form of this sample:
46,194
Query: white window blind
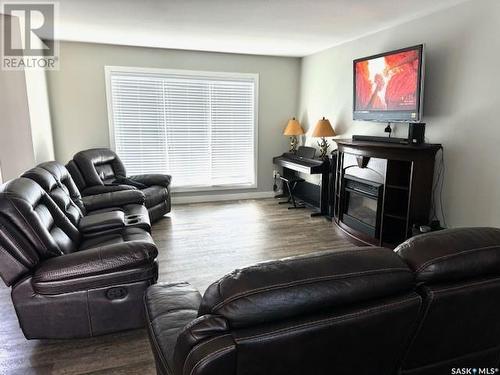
201,129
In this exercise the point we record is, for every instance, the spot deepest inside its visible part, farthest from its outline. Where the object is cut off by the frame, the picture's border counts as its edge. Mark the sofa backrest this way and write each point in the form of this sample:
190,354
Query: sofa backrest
76,174
55,179
275,317
65,180
458,271
99,166
32,228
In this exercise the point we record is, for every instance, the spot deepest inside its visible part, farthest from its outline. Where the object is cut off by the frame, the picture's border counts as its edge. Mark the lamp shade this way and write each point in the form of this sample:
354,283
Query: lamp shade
323,129
293,128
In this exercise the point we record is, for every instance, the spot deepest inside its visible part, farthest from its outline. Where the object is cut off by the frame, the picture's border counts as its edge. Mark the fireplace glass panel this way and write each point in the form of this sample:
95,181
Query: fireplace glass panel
362,208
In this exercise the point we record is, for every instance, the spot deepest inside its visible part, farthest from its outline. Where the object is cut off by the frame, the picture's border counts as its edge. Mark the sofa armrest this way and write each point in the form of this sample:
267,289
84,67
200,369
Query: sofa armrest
113,199
97,267
100,222
100,189
169,308
152,179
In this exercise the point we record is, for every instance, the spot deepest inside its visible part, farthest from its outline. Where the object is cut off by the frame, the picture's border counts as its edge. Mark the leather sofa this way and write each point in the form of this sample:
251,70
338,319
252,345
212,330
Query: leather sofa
93,213
100,170
428,307
71,280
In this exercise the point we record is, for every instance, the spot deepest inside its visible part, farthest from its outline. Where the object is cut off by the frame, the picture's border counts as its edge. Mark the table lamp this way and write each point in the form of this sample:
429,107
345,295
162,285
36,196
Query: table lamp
293,129
322,130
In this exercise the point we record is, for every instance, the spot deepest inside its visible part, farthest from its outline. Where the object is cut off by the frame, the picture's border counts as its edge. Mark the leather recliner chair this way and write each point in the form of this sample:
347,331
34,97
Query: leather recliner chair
65,285
425,309
93,213
337,313
100,170
458,274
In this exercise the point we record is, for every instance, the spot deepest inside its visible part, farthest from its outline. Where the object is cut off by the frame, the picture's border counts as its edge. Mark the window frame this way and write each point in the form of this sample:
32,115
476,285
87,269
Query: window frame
110,69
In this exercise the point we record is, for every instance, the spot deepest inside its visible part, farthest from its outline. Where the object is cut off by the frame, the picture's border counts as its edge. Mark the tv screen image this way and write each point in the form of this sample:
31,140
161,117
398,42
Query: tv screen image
387,87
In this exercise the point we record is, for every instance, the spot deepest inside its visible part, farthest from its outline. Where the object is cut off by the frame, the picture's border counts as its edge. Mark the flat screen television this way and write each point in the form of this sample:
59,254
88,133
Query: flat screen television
389,87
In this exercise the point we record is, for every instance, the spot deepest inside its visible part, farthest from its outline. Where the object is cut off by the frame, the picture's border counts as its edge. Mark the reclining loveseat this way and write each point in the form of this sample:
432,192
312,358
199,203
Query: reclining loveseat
429,308
78,267
100,170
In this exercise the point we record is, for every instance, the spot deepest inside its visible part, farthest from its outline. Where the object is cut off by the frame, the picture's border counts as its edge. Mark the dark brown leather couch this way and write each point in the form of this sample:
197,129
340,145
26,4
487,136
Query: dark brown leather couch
92,213
458,275
429,307
70,280
100,170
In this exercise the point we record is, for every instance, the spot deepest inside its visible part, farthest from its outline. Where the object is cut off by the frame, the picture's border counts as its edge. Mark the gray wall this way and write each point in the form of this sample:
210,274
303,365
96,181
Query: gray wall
16,146
462,99
41,126
38,103
78,95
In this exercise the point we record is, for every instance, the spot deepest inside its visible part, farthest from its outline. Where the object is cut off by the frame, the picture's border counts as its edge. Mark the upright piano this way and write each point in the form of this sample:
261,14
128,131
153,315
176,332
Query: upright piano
292,163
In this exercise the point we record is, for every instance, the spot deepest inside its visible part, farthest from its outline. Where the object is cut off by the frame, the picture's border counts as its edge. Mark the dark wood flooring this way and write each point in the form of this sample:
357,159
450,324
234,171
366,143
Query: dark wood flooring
198,243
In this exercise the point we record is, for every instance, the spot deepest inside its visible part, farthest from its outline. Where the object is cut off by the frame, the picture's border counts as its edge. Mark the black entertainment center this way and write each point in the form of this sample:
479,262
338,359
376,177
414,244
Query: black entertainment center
383,190
384,185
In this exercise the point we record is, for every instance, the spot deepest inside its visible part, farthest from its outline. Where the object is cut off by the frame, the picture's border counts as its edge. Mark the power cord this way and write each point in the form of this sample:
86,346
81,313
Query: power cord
276,176
439,184
441,189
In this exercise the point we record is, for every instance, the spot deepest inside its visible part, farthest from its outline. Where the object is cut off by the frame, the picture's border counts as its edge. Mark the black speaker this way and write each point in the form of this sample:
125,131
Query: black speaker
416,133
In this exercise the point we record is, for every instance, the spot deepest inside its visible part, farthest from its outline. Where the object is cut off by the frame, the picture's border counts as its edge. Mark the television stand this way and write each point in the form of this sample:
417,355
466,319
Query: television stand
382,190
370,138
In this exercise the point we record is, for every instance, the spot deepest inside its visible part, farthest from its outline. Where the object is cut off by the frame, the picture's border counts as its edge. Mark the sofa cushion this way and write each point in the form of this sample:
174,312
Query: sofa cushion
98,267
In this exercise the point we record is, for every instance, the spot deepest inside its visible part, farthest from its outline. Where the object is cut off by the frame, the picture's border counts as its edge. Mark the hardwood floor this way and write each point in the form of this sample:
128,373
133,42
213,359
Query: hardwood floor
198,243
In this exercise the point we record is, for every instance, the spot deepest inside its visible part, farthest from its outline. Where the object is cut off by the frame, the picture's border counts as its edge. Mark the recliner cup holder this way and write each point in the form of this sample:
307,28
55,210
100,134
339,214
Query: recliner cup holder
133,221
131,217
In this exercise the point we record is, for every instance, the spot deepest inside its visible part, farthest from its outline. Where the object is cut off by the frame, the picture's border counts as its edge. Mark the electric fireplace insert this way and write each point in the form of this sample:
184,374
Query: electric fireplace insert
362,205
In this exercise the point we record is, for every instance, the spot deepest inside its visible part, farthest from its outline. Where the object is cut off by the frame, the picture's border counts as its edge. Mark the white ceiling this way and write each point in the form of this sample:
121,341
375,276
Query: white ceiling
267,27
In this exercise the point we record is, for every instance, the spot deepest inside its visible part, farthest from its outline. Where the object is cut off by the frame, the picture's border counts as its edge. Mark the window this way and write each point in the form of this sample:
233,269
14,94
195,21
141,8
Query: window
200,127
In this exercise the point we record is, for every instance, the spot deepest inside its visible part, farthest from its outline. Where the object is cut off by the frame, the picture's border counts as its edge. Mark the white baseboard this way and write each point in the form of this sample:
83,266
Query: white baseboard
221,197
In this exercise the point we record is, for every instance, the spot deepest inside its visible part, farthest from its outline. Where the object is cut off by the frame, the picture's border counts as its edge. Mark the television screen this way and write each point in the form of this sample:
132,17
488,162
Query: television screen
388,87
